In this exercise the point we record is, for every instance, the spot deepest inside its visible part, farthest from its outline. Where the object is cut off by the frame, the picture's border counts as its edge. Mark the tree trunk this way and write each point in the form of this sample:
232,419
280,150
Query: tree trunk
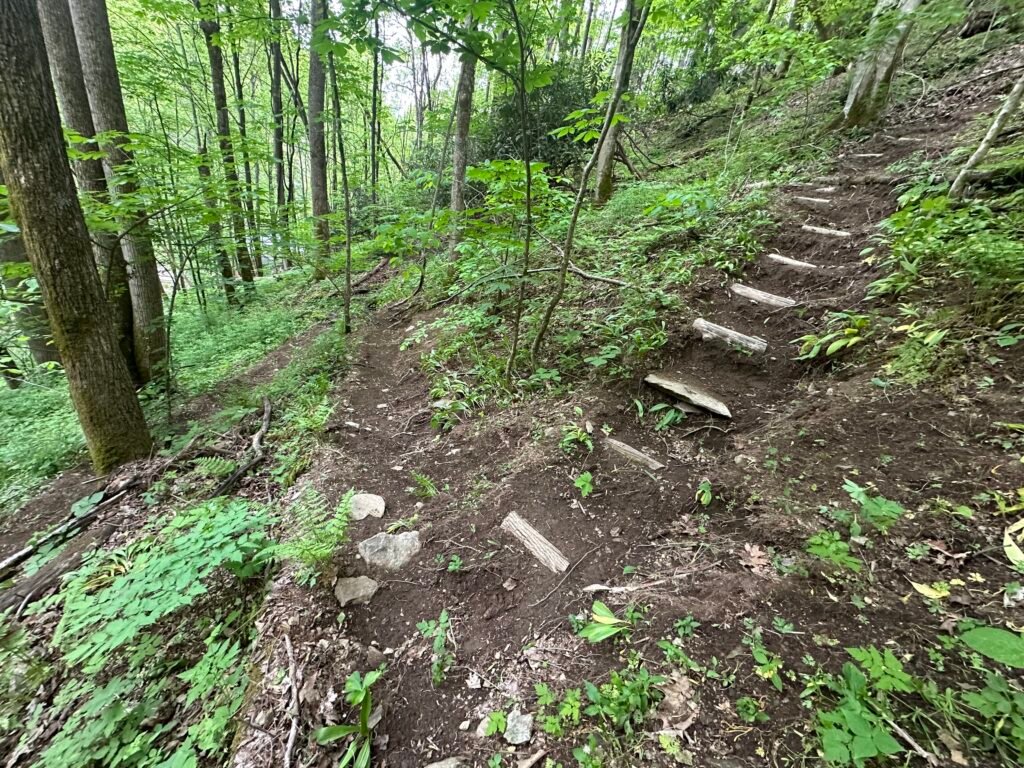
214,231
637,18
374,120
211,32
102,83
66,68
254,235
586,31
30,319
317,145
43,199
1005,113
463,117
873,71
336,104
277,107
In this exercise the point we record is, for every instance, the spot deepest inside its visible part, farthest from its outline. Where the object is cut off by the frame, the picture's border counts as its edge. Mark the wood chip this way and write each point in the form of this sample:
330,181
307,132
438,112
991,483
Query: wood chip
709,330
632,453
760,297
825,231
546,552
689,392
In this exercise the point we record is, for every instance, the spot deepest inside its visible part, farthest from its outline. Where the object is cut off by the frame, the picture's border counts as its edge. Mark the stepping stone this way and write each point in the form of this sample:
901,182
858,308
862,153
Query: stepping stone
760,297
632,453
532,539
689,392
785,261
390,550
825,231
713,331
366,505
356,590
814,202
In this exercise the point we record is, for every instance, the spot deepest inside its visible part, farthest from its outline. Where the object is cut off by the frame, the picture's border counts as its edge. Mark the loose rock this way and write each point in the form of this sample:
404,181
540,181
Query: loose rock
356,590
390,550
366,505
518,728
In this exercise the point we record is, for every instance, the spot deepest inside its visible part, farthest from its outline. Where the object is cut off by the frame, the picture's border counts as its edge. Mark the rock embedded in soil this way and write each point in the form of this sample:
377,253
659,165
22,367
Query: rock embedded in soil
356,590
689,391
390,550
518,728
366,505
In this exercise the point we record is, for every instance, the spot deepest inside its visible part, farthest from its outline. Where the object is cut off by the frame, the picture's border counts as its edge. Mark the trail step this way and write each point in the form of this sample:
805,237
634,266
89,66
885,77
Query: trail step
709,330
785,261
760,297
814,202
532,539
825,231
825,190
631,453
867,154
689,392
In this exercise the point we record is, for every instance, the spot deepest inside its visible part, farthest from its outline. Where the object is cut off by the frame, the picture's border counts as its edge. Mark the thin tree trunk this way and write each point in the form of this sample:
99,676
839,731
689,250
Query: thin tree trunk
214,231
254,235
637,18
277,107
211,34
460,150
336,104
374,124
66,68
586,31
34,162
1005,113
317,146
873,72
103,84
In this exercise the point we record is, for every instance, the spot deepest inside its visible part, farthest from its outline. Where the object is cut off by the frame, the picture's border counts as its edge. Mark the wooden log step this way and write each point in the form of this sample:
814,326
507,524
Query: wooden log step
709,330
825,231
867,154
689,392
631,453
546,552
825,190
760,297
814,202
785,261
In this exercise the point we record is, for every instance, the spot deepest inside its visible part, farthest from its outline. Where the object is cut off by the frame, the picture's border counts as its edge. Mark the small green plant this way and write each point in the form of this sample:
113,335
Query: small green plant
767,665
318,532
454,564
829,546
357,694
575,437
604,624
584,483
852,733
783,627
686,626
214,466
424,487
625,701
436,630
404,523
496,723
843,331
750,710
704,495
670,416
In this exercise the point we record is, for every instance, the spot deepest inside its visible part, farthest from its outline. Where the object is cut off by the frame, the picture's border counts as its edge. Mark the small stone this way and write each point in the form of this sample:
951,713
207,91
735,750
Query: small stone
615,532
509,584
352,424
464,725
449,762
518,728
356,590
382,405
366,505
374,658
474,682
481,729
390,550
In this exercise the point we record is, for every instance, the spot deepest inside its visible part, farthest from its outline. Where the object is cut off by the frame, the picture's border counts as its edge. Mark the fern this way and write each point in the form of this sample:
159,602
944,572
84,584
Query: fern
319,532
214,466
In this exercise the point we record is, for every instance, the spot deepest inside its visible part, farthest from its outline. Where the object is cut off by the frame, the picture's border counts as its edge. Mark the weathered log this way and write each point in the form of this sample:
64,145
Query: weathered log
825,231
546,552
785,261
760,297
710,330
631,453
689,392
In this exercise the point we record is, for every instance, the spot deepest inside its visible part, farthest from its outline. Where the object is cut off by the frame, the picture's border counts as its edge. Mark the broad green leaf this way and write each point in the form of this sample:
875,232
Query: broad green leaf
996,644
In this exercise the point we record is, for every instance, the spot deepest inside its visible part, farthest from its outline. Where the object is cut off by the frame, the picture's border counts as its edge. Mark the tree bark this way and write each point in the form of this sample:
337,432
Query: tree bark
254,235
317,145
103,85
1005,112
873,72
43,199
214,231
463,117
211,31
66,68
336,104
637,11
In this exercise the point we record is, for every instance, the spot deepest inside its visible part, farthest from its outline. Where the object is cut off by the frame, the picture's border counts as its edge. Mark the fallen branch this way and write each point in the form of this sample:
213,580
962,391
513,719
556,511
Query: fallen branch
293,680
921,751
645,585
956,191
257,455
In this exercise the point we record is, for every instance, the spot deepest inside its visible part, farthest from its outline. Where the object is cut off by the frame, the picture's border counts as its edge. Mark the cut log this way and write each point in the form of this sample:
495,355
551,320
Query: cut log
631,453
785,261
814,202
825,231
546,552
760,297
825,190
709,330
689,392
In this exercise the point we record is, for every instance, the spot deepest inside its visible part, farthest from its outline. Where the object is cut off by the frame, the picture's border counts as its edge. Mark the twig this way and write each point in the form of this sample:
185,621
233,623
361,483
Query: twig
921,751
293,677
258,455
567,574
645,585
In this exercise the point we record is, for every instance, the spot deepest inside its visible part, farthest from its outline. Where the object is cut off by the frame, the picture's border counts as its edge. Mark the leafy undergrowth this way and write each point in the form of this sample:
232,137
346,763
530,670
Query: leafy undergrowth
41,432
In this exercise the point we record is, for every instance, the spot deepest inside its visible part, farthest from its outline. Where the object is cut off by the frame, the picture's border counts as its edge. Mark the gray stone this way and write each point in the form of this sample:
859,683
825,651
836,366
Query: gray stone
518,728
390,550
357,590
366,505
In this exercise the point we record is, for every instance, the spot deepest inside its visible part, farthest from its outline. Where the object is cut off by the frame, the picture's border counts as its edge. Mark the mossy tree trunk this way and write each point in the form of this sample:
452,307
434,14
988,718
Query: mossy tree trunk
34,161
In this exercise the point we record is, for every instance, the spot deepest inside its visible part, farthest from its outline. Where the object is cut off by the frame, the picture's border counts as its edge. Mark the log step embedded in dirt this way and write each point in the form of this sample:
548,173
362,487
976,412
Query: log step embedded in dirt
814,202
689,392
546,552
631,453
825,231
785,261
709,330
760,297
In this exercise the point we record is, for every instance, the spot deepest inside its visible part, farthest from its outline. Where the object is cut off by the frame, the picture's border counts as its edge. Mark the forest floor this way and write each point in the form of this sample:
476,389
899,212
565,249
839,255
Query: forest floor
735,585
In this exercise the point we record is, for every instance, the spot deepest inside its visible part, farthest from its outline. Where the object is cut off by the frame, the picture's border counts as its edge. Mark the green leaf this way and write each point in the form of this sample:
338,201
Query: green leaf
596,633
332,733
996,644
